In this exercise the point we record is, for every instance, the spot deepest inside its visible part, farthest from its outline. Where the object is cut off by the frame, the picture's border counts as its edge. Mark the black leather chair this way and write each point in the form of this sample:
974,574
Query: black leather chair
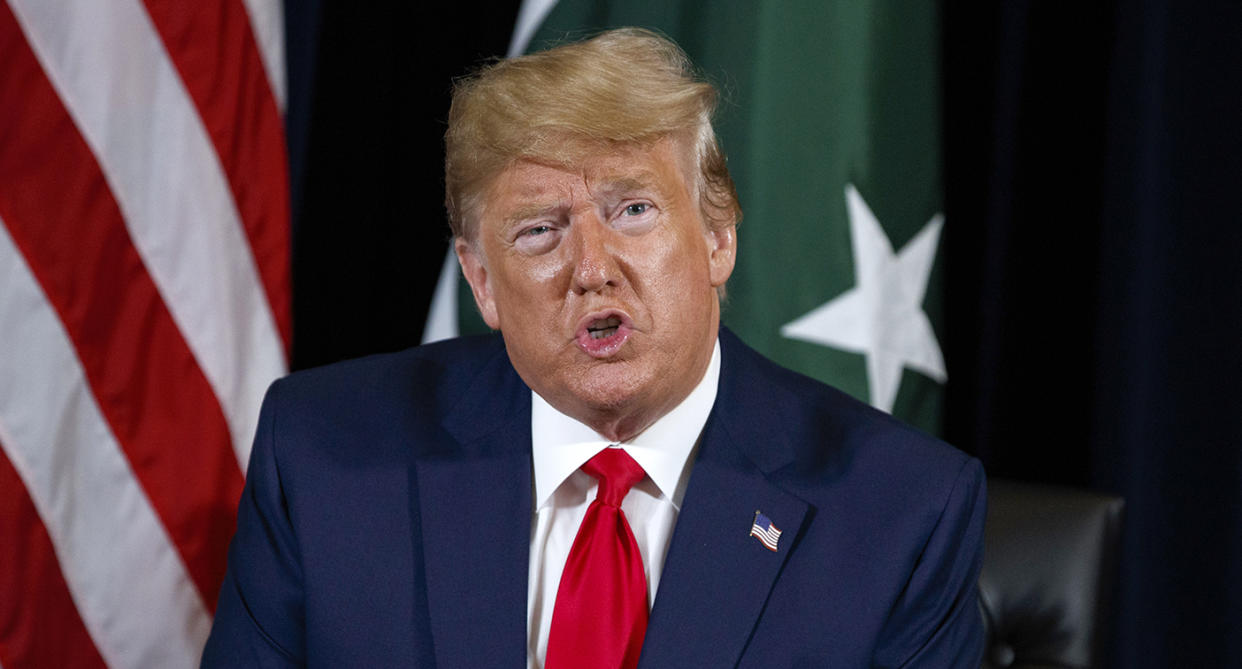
1049,571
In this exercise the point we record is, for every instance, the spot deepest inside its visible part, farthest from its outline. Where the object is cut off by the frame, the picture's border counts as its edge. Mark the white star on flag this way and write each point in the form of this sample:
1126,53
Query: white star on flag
882,316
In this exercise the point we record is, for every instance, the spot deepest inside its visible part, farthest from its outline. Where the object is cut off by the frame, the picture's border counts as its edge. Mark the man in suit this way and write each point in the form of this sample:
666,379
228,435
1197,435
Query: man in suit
614,479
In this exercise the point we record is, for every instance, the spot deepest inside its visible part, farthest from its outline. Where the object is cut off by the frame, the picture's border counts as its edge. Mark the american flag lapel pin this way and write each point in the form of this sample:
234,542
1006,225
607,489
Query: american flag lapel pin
763,530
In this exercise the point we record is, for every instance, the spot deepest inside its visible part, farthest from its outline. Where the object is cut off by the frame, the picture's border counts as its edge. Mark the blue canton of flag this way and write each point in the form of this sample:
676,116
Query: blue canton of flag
765,531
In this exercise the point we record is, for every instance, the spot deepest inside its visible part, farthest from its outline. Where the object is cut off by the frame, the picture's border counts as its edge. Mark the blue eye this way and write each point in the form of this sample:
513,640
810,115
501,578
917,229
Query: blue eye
637,209
538,238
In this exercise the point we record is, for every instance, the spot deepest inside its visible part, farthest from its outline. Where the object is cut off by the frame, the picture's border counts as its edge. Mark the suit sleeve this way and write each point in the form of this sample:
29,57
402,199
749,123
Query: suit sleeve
936,622
260,617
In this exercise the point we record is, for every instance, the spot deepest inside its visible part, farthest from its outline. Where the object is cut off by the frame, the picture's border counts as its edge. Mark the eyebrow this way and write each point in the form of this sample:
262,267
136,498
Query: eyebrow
644,180
530,211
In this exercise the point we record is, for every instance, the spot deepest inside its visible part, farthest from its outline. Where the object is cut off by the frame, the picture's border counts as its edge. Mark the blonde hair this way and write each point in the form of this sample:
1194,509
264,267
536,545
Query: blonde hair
624,86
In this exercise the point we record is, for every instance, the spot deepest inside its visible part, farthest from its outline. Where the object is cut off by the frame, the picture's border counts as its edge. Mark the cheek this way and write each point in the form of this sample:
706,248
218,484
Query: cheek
526,286
547,270
675,275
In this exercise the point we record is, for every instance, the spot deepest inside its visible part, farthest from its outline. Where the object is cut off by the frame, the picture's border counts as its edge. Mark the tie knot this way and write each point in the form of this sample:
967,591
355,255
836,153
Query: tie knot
616,472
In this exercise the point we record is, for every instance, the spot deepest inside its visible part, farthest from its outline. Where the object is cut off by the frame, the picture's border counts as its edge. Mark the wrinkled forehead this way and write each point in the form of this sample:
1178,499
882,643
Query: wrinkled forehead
666,163
600,159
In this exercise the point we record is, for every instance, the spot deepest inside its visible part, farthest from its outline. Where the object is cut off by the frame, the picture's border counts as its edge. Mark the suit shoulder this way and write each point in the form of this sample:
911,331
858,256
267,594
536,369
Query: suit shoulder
374,405
415,371
826,428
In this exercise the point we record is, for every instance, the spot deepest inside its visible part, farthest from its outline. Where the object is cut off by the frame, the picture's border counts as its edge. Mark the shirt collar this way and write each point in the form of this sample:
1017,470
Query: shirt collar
561,444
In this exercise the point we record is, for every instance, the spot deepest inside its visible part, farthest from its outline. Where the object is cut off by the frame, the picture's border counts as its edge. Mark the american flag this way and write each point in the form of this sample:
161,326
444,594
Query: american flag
144,309
763,530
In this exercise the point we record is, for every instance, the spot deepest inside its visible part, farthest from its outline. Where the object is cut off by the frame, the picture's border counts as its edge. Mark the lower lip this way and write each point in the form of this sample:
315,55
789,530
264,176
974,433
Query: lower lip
604,347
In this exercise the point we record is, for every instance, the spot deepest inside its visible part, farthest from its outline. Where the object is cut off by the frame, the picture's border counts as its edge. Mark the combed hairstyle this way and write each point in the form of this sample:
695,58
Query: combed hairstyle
624,86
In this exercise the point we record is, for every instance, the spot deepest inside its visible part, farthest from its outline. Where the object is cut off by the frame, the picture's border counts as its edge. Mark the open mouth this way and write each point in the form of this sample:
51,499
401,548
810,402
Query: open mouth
603,327
602,334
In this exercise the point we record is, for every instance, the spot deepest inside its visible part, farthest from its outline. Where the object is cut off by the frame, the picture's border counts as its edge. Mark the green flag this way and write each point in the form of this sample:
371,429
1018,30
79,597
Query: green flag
830,118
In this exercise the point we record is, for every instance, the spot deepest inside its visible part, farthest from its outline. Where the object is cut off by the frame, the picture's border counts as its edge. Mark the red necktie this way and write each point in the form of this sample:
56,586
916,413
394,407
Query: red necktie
600,615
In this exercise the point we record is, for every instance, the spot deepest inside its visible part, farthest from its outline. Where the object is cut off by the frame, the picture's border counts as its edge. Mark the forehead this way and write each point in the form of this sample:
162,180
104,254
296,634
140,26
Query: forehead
660,168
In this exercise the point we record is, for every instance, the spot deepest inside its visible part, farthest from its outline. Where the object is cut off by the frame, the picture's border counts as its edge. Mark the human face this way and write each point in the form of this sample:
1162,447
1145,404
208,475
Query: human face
602,280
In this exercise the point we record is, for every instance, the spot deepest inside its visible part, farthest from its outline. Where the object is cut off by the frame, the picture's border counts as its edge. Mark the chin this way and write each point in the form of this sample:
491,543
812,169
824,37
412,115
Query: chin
608,388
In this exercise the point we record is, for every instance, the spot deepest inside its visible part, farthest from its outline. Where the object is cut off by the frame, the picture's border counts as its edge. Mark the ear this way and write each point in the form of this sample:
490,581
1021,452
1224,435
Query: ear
722,244
475,270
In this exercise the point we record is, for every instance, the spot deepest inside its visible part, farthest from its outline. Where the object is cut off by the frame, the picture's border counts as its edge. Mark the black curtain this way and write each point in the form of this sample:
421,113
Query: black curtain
369,88
1094,245
1093,254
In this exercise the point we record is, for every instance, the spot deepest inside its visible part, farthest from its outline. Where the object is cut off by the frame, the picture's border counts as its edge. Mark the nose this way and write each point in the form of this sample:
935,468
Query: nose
595,265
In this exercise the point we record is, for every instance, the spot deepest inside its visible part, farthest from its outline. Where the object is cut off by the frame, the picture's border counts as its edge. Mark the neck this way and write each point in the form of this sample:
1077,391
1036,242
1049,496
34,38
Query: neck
623,427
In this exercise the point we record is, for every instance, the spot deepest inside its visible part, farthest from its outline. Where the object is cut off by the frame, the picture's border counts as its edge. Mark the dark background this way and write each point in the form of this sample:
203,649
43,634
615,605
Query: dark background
1093,259
369,87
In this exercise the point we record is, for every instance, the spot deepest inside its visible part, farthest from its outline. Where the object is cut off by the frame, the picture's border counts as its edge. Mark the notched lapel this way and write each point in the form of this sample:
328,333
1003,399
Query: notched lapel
476,539
474,502
717,577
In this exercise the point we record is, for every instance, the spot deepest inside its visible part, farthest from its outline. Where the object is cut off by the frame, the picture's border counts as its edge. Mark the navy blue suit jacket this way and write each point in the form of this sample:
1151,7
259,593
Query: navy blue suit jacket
387,512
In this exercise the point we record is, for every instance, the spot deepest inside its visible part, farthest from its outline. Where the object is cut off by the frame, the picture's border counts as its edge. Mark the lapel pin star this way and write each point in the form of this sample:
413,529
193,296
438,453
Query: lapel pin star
763,530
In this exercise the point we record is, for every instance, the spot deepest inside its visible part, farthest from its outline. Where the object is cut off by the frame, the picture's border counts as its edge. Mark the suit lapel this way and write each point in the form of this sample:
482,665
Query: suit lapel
476,542
716,577
474,505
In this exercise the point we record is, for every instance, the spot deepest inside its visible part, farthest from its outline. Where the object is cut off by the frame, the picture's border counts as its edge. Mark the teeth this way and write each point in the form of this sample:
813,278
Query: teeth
604,327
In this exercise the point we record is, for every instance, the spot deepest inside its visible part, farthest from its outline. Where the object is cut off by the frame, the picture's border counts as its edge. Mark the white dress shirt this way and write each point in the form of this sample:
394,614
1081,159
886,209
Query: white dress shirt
563,492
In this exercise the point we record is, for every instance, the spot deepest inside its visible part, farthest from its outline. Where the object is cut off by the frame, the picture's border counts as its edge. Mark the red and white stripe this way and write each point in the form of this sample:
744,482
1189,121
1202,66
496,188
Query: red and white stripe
144,308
